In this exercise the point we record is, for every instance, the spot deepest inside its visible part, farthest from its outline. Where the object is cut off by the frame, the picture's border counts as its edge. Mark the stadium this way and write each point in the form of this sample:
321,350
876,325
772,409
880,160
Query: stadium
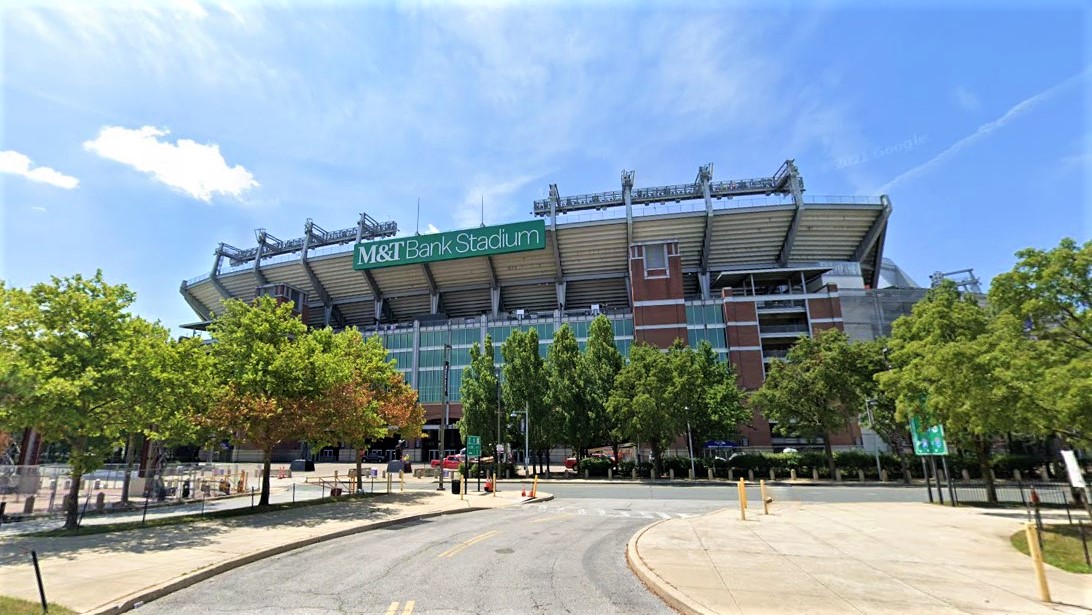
747,264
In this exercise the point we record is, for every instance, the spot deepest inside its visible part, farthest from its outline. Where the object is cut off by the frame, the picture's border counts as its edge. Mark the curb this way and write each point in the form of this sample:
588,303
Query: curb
671,596
133,601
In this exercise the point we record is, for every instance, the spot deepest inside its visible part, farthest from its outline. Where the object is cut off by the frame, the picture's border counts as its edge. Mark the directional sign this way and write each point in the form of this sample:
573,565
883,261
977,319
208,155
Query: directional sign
928,441
474,446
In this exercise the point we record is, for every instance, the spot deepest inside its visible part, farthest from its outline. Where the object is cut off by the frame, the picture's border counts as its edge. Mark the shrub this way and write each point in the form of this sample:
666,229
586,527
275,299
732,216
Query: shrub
625,468
1003,465
854,460
746,461
681,465
595,466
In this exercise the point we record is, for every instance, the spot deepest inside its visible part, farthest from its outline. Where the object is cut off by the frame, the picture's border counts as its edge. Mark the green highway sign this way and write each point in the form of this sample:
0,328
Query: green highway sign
500,239
473,446
928,441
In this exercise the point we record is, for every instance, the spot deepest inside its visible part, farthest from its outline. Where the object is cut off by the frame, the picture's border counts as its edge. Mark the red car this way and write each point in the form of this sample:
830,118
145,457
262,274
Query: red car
451,462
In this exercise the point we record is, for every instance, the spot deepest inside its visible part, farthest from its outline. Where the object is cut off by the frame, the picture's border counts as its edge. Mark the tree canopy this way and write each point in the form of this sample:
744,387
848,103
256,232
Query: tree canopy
478,392
817,390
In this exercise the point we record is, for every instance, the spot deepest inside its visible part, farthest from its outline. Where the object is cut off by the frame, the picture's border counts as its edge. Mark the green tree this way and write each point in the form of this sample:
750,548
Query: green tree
706,391
1050,292
951,364
566,395
599,365
817,390
366,397
69,336
165,384
885,420
642,403
524,387
478,392
271,381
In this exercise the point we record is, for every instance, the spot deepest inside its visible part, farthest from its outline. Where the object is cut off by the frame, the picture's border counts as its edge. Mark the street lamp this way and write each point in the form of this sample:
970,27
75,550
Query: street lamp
447,408
496,454
875,436
526,412
689,440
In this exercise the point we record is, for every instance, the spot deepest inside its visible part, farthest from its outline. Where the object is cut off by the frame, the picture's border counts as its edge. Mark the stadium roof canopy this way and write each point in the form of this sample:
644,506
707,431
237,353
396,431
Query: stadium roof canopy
723,229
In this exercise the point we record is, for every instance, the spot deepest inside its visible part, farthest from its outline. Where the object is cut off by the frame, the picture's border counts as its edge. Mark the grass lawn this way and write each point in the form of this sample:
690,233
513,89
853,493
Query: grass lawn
15,606
176,520
1061,547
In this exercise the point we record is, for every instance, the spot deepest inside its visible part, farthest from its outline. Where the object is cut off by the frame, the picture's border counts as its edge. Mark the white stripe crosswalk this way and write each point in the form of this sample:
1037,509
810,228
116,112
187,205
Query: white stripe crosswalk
541,509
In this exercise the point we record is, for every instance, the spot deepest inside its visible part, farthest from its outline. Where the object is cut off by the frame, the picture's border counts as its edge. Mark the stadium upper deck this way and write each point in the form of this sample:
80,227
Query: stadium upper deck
725,231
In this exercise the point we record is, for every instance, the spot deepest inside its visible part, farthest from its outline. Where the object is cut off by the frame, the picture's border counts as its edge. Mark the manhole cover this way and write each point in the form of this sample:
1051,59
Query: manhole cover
504,551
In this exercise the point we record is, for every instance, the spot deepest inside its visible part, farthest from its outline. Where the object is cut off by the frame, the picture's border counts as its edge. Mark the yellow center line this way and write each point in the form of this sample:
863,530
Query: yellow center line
552,518
392,609
408,610
453,550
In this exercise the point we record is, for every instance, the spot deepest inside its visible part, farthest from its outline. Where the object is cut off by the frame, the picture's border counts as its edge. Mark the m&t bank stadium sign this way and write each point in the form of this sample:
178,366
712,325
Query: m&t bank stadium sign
515,237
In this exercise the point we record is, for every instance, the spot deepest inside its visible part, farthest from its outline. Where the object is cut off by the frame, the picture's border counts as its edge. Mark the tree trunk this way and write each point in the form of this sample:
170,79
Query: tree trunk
657,465
359,469
267,459
128,470
830,456
905,468
982,453
546,460
72,506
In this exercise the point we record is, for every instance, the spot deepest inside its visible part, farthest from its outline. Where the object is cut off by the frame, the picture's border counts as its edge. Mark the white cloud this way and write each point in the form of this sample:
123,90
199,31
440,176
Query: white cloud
16,163
967,99
39,209
431,229
197,169
497,197
983,131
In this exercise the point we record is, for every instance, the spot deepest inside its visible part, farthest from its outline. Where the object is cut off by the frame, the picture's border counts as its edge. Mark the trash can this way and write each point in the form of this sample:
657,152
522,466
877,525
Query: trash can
456,485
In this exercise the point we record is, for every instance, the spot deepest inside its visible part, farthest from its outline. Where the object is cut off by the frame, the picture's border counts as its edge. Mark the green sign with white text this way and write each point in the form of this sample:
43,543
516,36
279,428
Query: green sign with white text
500,239
473,446
928,441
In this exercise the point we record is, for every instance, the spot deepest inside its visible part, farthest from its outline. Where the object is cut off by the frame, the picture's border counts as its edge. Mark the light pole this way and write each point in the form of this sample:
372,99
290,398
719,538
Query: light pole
689,440
447,409
526,412
496,453
875,442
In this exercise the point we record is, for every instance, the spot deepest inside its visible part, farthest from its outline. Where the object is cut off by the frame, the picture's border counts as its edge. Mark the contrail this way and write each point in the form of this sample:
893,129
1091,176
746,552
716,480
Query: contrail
983,131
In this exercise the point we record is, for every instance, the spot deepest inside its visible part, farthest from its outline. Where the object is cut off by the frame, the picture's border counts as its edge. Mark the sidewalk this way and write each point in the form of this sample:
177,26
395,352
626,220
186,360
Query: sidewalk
848,558
98,572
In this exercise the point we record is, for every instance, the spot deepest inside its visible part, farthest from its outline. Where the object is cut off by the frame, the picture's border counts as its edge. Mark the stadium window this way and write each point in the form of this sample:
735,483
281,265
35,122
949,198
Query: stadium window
655,256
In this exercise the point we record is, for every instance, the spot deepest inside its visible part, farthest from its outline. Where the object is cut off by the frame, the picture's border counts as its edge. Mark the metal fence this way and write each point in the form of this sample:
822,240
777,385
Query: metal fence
41,491
1022,493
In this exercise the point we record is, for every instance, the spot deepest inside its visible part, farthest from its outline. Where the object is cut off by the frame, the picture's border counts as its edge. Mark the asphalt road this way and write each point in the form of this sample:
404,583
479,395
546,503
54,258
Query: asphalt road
727,492
567,555
564,556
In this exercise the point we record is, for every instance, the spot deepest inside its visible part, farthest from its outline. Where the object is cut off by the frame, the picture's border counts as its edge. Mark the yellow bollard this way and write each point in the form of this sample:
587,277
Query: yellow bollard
534,487
401,482
462,486
1032,534
494,479
742,505
765,500
743,492
390,477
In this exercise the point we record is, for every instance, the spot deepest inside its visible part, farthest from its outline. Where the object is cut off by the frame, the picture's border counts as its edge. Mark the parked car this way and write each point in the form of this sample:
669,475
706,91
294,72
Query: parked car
451,462
374,457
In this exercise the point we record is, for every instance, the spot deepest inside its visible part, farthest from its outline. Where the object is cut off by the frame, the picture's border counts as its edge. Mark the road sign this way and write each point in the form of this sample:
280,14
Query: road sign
474,446
928,441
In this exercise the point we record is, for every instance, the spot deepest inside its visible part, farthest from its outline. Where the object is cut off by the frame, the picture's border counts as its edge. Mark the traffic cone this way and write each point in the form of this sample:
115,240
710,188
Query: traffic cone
523,493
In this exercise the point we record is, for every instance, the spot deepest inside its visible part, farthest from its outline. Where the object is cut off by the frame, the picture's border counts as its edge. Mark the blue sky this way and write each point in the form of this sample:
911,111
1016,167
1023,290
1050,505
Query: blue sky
136,137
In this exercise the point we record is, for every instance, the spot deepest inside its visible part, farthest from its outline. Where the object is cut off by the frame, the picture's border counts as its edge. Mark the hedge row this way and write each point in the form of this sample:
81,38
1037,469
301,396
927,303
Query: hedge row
782,463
